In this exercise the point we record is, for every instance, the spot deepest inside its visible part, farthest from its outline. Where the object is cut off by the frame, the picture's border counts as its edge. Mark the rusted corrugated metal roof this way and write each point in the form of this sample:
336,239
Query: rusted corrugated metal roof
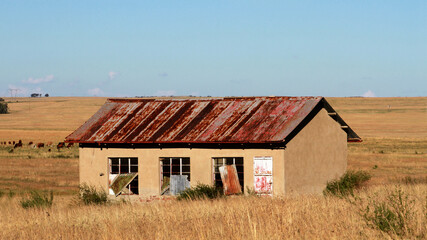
196,120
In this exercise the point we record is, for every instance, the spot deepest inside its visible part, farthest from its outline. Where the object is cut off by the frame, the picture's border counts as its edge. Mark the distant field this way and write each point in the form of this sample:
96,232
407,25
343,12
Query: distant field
53,118
46,119
384,117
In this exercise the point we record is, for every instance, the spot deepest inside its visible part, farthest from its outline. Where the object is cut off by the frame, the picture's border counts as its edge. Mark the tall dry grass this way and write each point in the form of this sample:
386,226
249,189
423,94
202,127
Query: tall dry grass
304,217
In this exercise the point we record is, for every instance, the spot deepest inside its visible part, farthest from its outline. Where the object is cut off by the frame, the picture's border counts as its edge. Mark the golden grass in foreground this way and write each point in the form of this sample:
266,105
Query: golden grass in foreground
304,217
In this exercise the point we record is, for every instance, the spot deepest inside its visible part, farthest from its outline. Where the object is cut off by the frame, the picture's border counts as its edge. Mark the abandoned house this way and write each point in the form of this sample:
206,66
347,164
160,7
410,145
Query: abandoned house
277,145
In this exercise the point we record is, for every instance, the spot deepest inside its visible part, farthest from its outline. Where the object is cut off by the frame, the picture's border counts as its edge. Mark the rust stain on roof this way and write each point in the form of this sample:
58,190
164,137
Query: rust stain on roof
197,120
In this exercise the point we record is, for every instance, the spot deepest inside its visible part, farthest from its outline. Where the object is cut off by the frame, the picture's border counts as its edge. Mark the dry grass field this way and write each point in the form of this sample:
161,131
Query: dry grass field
394,150
305,217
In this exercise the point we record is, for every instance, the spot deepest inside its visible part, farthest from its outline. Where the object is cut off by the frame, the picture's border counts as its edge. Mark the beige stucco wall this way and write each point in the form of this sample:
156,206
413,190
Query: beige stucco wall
93,162
317,154
313,157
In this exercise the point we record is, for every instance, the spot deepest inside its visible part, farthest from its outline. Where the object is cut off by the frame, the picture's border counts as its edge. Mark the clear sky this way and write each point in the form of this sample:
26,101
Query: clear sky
217,48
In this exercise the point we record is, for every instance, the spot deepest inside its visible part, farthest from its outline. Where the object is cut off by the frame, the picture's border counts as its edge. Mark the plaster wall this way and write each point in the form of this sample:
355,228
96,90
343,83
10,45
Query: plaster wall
94,165
317,154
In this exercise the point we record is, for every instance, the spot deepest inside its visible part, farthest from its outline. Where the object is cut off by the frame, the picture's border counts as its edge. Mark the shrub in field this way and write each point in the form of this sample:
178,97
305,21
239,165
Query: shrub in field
38,200
1,193
3,108
347,183
91,195
251,191
200,191
391,215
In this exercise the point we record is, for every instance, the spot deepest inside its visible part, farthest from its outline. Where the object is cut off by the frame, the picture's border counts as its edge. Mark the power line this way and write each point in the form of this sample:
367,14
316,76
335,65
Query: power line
14,92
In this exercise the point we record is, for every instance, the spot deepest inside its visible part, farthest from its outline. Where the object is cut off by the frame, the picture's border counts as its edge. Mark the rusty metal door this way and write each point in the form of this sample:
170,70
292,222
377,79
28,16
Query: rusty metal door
263,175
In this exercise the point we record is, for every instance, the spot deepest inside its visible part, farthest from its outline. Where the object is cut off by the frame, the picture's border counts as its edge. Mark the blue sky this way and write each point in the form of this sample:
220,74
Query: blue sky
217,48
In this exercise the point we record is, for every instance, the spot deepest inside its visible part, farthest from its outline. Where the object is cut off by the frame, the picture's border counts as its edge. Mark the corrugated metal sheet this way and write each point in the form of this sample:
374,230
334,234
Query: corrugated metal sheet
211,120
230,179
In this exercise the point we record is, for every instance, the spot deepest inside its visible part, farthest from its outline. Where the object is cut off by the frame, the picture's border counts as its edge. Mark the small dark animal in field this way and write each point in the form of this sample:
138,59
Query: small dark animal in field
30,143
13,142
70,145
49,150
10,143
60,145
40,145
18,145
20,141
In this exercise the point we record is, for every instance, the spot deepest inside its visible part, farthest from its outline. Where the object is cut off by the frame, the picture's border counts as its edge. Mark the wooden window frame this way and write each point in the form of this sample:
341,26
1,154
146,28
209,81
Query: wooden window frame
171,165
130,169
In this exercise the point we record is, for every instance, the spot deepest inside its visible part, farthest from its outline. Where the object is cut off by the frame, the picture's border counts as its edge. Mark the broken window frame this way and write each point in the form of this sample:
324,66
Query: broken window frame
171,164
232,160
131,166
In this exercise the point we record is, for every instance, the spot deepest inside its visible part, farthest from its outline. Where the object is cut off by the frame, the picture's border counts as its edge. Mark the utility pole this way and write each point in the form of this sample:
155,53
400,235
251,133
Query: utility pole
13,92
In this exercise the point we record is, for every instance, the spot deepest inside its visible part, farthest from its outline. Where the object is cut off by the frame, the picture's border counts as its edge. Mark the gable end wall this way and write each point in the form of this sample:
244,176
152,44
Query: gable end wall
317,154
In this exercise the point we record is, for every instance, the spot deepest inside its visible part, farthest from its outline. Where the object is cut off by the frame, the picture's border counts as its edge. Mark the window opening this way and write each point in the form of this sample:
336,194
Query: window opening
222,161
172,166
123,177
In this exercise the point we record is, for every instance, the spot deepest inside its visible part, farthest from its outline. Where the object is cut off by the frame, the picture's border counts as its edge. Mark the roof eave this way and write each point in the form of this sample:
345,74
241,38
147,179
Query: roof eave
351,134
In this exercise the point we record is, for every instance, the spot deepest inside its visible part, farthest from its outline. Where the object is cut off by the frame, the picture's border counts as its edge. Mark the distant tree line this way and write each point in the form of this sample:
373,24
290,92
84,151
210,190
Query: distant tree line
3,106
38,95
